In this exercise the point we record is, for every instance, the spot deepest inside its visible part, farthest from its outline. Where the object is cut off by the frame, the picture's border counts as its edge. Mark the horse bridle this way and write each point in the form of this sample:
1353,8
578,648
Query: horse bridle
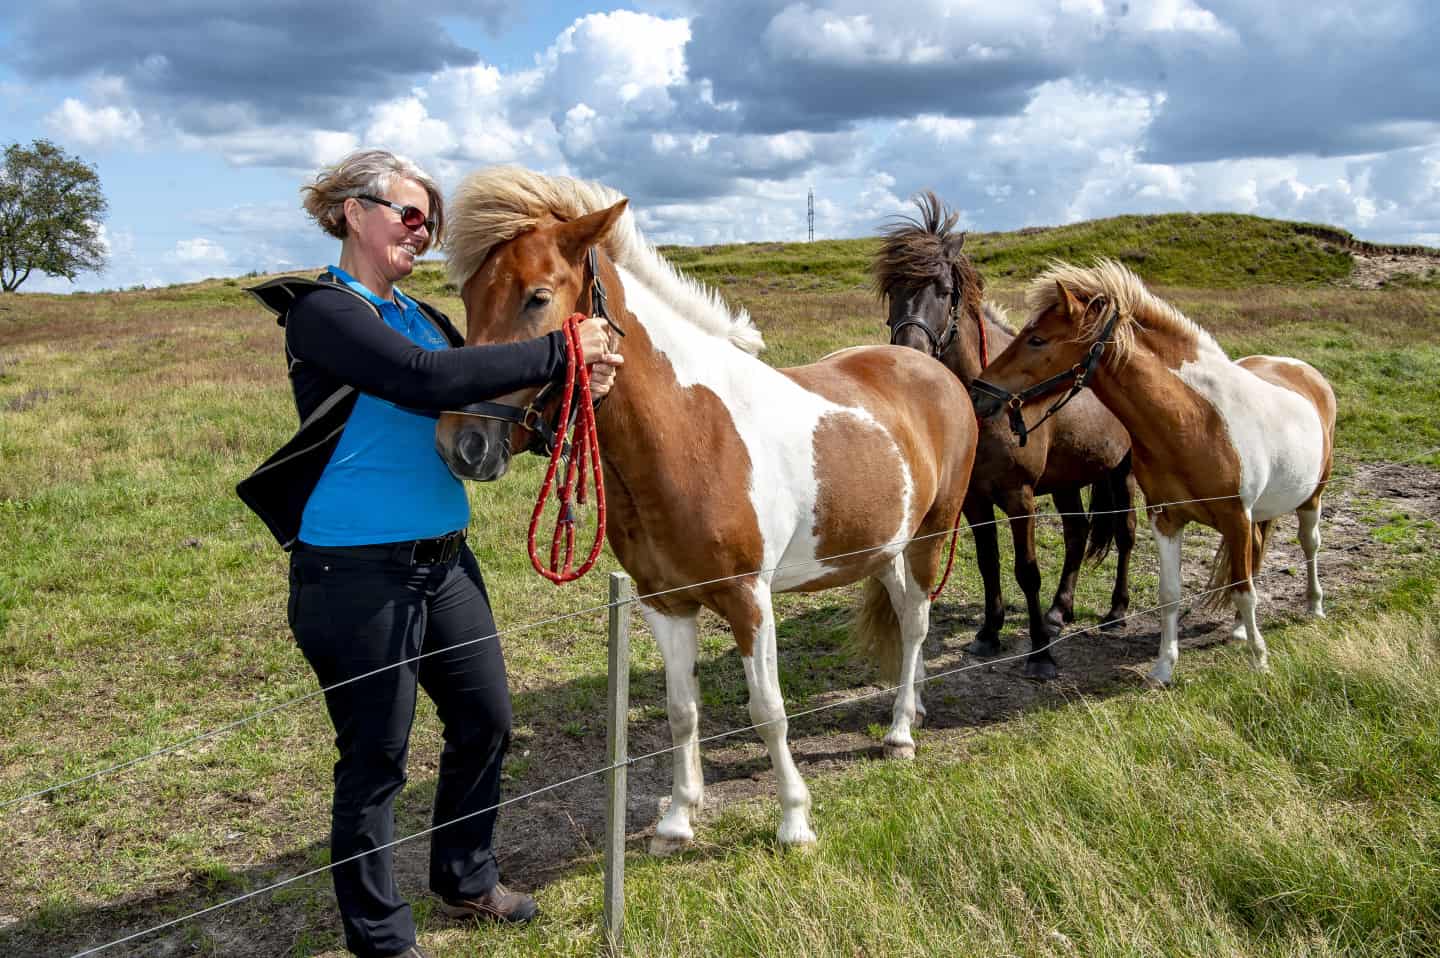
938,344
1080,373
531,417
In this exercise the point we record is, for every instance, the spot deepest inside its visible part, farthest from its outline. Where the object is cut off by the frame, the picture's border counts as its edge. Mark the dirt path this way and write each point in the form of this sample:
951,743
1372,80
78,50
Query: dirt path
1374,270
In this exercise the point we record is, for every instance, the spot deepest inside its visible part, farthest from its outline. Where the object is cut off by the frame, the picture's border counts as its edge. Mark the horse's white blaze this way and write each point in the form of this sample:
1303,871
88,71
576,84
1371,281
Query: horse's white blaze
1276,432
776,419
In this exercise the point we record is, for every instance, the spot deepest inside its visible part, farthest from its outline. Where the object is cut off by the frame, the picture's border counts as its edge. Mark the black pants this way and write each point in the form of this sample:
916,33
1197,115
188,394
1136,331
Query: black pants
353,612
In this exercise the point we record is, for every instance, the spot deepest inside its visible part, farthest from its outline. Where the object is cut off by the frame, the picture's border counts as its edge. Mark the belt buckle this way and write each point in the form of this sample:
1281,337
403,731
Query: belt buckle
438,550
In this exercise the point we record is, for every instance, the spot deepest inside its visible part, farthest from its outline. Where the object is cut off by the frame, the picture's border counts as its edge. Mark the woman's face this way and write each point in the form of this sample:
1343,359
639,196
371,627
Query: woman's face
381,239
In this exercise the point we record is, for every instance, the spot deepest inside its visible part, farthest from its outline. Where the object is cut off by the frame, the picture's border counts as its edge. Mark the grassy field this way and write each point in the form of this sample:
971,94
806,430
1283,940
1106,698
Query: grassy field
1289,814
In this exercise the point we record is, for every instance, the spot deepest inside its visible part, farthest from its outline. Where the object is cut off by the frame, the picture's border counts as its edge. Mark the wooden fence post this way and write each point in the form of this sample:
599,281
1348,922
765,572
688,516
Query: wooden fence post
621,598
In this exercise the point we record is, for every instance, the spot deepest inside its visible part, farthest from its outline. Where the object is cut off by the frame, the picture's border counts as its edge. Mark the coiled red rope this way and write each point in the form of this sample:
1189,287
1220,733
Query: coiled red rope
585,455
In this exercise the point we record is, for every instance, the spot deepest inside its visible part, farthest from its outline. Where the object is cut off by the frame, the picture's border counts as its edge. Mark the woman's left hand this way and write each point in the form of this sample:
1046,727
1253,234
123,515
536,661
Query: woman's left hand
602,376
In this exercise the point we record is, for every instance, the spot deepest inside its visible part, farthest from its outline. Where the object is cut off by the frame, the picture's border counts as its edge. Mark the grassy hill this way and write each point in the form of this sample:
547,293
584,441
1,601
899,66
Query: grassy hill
1217,250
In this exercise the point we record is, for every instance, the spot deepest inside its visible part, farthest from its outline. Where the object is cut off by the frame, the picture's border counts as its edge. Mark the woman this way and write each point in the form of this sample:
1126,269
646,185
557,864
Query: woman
380,572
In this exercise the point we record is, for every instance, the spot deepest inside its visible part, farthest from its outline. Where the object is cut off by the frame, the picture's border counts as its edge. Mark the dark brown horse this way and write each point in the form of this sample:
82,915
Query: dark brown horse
934,297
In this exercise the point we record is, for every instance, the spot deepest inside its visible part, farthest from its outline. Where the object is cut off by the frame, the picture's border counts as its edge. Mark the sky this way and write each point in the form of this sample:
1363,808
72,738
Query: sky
716,117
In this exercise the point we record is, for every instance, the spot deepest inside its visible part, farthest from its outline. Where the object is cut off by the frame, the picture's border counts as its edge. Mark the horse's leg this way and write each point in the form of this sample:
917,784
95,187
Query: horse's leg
1123,487
1020,505
912,608
1077,529
1242,535
676,636
1167,546
980,514
767,712
1309,516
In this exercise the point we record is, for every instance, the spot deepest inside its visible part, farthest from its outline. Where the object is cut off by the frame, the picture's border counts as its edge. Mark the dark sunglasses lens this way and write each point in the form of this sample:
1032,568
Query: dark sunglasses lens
413,218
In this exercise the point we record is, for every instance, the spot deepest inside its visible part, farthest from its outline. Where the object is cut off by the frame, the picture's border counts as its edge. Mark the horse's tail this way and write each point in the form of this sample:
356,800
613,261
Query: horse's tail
1109,500
1220,585
876,635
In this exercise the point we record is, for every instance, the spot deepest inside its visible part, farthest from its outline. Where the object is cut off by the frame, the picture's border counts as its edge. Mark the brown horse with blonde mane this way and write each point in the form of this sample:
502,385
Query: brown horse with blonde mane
934,298
727,480
1230,445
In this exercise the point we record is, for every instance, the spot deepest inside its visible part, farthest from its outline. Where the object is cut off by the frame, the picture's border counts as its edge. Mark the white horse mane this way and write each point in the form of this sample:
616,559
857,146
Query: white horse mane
494,205
1138,306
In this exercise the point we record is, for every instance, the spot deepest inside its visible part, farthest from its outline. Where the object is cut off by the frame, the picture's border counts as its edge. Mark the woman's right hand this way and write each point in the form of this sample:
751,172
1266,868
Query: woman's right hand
595,343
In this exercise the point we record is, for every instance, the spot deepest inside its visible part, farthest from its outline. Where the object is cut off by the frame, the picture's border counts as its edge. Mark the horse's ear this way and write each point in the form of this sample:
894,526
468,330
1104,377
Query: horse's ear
1069,306
953,245
579,235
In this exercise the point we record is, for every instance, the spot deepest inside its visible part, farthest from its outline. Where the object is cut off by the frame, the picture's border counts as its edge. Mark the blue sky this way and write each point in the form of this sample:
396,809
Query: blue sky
716,118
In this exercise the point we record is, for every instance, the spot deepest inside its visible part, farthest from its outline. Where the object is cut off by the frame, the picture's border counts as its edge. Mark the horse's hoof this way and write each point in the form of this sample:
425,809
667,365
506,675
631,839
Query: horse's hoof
984,648
1154,681
1114,620
663,846
1057,617
795,836
899,751
1041,671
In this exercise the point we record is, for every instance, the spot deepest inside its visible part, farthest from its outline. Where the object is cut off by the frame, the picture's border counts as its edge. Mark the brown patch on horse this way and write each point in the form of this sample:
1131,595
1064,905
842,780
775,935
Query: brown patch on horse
855,469
692,430
841,530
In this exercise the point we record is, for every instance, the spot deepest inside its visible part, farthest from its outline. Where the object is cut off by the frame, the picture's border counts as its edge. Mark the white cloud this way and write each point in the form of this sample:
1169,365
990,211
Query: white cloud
201,251
95,127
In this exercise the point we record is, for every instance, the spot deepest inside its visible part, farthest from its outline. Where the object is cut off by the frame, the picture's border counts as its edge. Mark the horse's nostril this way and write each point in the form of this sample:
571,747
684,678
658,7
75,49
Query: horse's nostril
471,448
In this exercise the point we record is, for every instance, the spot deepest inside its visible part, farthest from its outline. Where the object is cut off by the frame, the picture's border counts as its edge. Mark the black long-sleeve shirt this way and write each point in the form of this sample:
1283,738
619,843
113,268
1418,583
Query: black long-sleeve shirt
339,335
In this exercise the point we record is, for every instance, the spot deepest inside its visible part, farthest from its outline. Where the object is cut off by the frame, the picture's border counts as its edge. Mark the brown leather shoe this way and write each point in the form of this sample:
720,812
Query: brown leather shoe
497,904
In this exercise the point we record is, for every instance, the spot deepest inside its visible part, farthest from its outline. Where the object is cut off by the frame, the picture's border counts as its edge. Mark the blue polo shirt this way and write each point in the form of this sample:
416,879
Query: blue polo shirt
385,482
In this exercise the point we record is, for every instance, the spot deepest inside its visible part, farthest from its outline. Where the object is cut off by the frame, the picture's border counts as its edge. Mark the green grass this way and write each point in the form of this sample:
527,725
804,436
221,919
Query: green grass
1286,814
1202,250
140,604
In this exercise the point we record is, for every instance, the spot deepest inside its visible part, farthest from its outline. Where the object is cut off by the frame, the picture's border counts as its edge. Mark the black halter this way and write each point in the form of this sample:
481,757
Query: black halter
1080,373
938,344
544,435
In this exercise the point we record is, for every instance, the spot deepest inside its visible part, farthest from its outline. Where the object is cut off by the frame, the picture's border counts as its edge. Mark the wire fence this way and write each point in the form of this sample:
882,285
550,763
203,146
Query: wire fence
516,630
590,610
987,663
632,760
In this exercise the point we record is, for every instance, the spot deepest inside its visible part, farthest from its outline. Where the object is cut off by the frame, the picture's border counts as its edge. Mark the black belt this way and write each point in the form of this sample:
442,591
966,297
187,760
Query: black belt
439,550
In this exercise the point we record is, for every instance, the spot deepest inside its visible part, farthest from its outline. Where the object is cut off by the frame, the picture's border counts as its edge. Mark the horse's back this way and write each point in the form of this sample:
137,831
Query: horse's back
1299,377
1294,411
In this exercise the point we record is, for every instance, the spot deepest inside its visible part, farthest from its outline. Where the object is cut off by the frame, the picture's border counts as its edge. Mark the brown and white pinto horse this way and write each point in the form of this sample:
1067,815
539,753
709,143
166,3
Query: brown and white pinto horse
727,480
1232,444
934,298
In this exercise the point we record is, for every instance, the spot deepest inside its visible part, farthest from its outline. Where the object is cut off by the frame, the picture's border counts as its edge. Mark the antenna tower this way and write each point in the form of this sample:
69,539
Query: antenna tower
810,213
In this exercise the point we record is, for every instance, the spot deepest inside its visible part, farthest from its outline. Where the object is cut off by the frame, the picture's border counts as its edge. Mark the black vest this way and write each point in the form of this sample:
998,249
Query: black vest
279,488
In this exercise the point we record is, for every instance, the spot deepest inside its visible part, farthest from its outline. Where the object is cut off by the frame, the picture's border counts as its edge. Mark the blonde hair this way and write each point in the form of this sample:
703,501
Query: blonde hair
366,171
495,205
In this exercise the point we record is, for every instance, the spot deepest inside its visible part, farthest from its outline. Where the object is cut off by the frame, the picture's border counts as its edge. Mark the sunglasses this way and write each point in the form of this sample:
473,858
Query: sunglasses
409,215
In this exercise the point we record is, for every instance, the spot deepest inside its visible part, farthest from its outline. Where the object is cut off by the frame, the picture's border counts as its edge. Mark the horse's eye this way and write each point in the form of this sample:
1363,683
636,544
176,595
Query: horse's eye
1035,341
539,298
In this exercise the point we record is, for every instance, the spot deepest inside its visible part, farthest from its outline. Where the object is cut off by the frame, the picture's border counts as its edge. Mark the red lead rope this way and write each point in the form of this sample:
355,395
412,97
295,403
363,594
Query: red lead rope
585,447
954,534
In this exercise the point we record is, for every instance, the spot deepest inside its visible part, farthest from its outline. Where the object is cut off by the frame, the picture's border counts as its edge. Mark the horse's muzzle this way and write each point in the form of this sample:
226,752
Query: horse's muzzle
478,457
986,404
